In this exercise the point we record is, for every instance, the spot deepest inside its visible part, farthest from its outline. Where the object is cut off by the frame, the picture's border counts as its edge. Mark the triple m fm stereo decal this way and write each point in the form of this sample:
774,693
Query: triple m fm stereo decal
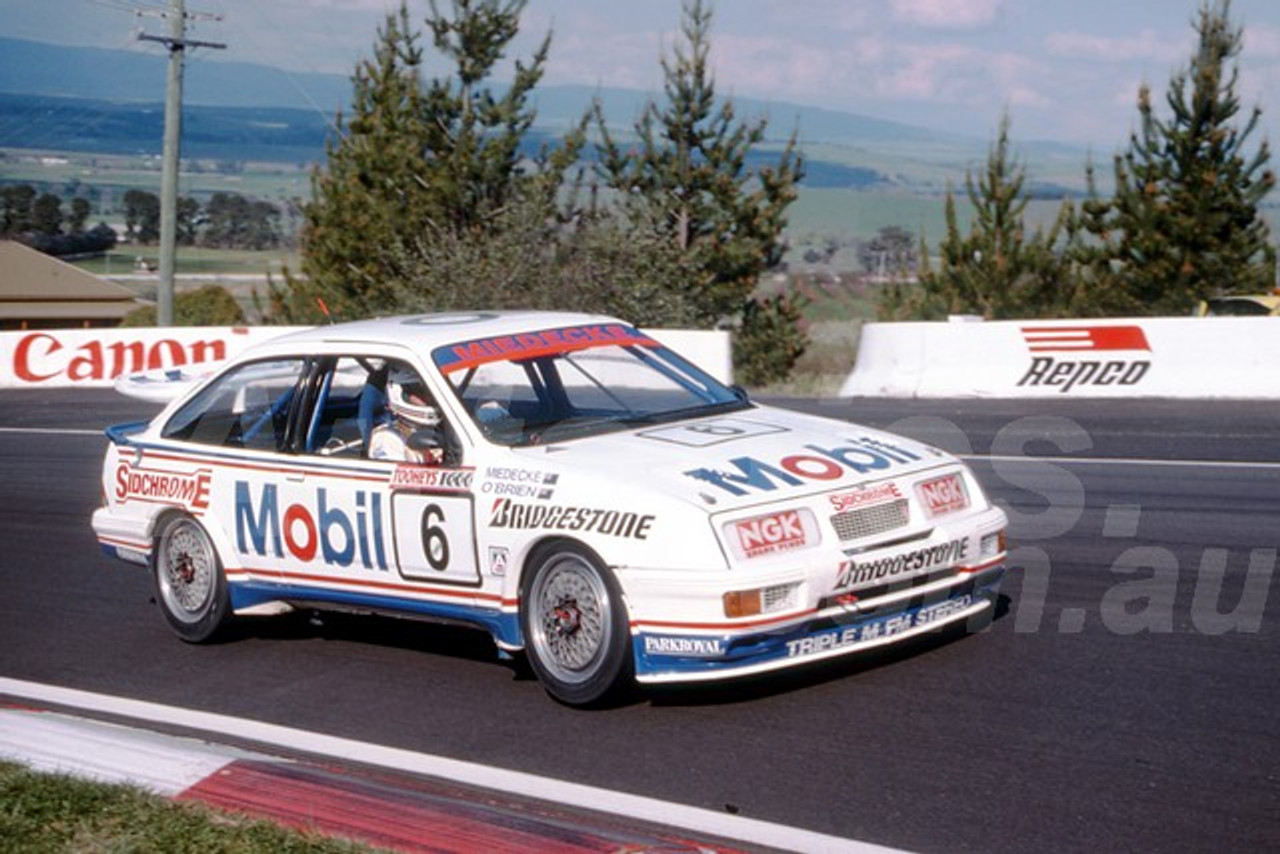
1086,357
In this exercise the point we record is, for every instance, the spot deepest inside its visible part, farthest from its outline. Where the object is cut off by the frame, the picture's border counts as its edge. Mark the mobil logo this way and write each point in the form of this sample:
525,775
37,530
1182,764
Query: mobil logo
338,535
775,532
862,455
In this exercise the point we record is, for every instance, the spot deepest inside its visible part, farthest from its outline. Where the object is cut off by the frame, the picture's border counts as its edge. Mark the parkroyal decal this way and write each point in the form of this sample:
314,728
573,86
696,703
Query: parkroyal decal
526,345
338,534
187,489
1068,370
863,455
513,515
52,357
670,645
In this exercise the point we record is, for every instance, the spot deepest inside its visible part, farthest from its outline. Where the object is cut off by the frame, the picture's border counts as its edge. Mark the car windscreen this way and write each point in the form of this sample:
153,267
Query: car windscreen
564,383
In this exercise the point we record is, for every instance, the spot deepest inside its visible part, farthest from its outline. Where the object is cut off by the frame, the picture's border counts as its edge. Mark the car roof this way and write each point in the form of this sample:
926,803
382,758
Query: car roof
424,332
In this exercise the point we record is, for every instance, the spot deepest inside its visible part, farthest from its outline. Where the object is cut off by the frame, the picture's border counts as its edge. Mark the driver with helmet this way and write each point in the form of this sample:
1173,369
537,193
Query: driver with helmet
410,410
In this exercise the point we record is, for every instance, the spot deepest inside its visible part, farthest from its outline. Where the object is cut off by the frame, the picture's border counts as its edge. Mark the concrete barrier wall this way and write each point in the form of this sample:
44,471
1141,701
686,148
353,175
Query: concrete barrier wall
57,358
1191,357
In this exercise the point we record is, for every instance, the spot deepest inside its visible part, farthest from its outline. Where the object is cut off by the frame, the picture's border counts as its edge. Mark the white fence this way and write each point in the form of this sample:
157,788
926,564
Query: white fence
1191,357
59,358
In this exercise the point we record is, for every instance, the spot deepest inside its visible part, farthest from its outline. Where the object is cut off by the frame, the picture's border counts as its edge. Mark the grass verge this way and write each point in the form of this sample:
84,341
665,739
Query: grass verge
57,813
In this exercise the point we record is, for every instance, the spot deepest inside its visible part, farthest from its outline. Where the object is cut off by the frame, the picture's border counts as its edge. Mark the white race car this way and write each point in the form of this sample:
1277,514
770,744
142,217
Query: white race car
562,481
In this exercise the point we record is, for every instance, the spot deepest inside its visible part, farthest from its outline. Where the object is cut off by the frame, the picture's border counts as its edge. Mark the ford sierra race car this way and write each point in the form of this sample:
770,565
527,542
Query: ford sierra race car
563,482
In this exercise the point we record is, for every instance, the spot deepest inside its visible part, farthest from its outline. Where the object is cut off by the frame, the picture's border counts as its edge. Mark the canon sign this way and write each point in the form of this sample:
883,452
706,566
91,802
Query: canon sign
80,357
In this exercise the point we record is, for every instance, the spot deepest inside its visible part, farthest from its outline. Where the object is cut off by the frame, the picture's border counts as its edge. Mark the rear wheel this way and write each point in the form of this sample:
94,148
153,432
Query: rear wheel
189,583
575,624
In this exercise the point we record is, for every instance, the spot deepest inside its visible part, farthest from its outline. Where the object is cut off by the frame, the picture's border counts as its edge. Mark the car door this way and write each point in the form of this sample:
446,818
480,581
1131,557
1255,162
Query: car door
382,526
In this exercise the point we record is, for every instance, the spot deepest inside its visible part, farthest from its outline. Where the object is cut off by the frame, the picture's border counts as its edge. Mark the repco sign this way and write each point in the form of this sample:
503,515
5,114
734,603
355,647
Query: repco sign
1085,357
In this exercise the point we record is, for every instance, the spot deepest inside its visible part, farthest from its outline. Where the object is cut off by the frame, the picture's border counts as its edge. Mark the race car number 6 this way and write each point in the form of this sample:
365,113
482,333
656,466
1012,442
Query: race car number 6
435,544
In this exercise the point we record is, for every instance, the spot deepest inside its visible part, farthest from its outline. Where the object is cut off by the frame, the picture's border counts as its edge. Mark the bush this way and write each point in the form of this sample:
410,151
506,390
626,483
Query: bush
209,305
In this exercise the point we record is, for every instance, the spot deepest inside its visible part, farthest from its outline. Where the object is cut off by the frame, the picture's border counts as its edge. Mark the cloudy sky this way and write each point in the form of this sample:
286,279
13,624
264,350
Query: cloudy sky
1068,70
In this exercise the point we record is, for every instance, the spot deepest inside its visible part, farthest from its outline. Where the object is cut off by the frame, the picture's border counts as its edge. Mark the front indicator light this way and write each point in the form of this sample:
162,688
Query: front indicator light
742,603
761,600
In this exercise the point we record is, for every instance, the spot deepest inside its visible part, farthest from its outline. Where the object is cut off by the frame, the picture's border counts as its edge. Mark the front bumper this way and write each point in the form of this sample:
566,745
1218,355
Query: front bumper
834,630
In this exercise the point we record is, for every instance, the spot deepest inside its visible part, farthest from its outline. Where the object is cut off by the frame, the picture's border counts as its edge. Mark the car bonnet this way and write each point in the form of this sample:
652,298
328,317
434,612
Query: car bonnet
758,456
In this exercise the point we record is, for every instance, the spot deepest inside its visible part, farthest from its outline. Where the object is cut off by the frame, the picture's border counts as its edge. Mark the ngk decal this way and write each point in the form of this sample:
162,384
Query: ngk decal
1067,370
776,532
943,494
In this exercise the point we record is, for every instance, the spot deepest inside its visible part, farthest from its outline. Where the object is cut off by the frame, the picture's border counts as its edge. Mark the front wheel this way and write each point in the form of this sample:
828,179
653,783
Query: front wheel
189,583
575,624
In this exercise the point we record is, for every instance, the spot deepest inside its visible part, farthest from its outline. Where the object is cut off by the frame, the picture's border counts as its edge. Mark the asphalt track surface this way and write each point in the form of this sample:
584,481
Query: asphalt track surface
1124,698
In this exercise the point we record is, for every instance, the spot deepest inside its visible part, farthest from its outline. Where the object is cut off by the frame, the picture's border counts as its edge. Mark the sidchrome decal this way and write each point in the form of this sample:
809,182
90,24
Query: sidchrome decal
859,456
1092,353
548,342
864,496
188,489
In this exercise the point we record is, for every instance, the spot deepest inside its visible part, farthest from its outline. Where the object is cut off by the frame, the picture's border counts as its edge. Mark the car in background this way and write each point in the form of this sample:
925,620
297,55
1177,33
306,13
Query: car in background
1241,305
562,481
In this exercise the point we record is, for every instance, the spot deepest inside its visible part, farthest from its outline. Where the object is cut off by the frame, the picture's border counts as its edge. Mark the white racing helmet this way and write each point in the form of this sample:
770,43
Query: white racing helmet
408,399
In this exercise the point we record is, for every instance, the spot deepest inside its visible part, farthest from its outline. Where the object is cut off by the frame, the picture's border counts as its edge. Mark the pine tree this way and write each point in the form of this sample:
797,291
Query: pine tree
419,163
1183,224
688,171
997,269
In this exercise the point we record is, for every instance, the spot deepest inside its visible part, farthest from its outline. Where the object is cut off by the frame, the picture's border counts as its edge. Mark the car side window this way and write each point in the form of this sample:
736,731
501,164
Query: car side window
246,408
350,403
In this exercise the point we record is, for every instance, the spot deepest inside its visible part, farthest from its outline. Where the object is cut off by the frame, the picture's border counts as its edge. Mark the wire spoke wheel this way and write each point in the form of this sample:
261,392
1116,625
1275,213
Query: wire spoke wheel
188,579
575,625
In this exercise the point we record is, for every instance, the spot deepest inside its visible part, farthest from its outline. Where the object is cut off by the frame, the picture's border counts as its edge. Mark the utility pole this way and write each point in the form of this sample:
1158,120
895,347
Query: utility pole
177,43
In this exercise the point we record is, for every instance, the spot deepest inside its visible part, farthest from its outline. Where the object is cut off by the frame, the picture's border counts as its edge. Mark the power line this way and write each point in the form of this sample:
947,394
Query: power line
177,43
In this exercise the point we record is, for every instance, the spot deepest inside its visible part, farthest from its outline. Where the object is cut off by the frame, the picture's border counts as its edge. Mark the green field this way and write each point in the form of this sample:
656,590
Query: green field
192,260
108,176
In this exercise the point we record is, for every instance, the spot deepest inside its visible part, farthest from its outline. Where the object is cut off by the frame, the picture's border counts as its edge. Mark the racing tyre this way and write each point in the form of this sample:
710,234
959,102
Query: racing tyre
189,583
575,625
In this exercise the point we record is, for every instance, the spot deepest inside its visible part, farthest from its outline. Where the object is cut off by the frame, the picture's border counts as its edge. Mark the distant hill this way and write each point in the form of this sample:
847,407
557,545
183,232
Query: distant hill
110,101
138,75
